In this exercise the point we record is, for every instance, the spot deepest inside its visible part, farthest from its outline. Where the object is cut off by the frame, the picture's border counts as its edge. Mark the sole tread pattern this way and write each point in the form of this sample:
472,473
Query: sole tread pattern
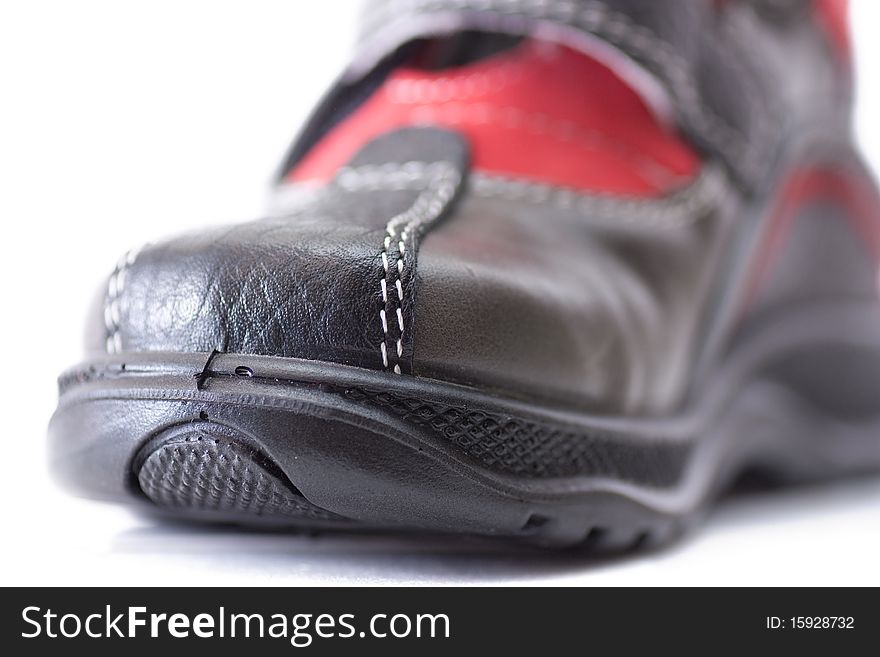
202,472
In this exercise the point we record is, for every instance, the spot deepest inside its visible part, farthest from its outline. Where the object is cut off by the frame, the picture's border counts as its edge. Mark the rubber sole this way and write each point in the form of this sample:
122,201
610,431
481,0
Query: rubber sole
289,443
212,470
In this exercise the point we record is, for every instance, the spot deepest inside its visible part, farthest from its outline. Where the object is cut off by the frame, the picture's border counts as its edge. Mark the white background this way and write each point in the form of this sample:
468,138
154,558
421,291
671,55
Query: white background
122,122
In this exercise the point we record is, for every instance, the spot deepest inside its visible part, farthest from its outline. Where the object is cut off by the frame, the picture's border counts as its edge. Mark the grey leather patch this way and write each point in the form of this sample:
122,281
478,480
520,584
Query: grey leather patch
418,144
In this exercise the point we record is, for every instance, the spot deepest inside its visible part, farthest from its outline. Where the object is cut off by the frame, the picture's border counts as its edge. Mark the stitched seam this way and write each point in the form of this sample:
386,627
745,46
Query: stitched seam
438,182
112,311
672,213
619,30
514,118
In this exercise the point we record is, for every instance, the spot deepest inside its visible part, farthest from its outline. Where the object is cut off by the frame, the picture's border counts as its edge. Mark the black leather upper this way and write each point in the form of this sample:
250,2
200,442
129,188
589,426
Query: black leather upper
531,292
306,284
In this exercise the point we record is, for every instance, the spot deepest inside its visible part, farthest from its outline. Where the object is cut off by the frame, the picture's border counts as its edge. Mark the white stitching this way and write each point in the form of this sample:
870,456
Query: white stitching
444,181
672,213
438,182
648,168
115,288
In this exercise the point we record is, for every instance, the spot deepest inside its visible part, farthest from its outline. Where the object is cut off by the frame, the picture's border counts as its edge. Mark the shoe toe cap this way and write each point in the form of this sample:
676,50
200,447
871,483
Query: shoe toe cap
273,287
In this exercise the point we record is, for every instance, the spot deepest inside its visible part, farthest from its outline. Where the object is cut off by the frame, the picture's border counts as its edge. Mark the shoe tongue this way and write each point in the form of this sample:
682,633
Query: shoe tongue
528,109
677,53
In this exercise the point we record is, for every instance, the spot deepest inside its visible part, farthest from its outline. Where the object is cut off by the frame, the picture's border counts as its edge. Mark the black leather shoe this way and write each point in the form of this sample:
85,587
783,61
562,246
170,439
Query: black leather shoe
557,269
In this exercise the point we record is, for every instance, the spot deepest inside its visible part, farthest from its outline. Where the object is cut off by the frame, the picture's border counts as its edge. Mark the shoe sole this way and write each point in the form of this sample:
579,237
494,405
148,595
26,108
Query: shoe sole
282,442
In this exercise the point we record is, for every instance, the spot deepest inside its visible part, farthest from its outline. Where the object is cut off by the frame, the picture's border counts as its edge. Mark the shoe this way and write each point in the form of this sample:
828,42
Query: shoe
549,270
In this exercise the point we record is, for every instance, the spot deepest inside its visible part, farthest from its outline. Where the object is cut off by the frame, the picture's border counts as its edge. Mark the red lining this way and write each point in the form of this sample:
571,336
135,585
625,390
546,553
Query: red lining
833,16
541,111
852,191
